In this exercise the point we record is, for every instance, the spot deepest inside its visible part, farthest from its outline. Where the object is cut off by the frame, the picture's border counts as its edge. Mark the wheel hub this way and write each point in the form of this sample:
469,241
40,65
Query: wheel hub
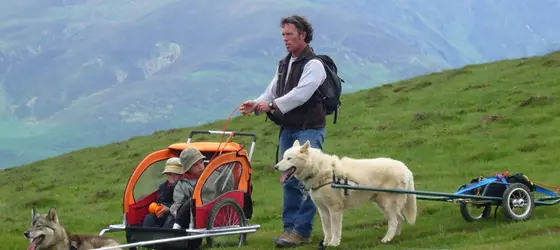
518,202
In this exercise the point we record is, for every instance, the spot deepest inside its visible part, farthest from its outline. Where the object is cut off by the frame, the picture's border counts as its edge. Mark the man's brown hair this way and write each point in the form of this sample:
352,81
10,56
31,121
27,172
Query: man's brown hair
301,23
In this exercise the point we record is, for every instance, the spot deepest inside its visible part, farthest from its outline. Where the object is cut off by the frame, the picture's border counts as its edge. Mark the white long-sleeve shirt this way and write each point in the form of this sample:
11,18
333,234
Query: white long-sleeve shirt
311,78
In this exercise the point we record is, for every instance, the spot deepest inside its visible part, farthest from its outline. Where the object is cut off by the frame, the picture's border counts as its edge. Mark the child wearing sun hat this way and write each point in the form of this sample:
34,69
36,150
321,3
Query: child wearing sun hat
161,216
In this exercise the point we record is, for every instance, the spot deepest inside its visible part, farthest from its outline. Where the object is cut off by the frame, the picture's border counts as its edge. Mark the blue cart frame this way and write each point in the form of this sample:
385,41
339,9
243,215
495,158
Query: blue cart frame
509,195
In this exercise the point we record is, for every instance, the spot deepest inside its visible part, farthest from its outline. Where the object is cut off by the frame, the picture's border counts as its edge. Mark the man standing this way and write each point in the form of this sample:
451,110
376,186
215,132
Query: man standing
291,100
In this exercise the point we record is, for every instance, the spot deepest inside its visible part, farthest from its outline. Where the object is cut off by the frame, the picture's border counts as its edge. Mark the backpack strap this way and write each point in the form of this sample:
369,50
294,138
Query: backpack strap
335,116
278,144
327,71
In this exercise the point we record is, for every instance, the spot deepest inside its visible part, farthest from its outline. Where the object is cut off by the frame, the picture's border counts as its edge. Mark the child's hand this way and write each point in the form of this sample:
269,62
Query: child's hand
162,211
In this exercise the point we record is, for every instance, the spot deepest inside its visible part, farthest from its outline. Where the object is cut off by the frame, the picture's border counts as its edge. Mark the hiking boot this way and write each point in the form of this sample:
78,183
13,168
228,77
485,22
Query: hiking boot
282,236
292,239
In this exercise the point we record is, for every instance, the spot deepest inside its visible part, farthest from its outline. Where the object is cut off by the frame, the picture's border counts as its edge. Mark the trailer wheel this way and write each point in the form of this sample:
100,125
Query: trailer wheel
474,216
518,196
231,210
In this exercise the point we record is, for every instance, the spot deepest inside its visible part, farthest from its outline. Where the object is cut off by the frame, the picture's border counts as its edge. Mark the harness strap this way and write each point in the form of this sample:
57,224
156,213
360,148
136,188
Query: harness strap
315,188
336,180
322,185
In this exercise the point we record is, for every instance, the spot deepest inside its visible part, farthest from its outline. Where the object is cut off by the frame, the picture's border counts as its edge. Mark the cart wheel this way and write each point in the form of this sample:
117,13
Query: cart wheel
226,213
518,202
476,212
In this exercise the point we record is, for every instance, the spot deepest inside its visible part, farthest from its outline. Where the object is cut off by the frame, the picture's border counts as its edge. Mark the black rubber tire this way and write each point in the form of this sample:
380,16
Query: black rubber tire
467,215
238,210
508,212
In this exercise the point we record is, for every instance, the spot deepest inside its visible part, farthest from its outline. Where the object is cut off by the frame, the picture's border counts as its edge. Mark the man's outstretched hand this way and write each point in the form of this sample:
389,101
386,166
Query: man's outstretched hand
247,107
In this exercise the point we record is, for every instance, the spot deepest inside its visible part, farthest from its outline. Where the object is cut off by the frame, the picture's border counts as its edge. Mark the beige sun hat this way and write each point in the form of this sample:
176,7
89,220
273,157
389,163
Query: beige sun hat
189,156
173,165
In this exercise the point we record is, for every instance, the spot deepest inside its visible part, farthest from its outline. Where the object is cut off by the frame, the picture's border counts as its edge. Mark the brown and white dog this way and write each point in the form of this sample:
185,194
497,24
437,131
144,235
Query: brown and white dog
46,233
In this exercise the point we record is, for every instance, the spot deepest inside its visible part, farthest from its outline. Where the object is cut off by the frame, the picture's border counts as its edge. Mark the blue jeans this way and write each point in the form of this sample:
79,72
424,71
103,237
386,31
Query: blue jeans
298,214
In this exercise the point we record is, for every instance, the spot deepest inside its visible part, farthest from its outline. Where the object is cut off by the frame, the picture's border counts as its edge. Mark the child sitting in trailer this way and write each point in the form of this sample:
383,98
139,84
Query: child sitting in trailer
162,218
193,163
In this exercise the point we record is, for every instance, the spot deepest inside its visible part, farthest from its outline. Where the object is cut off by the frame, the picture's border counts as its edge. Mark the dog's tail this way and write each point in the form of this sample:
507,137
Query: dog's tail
410,204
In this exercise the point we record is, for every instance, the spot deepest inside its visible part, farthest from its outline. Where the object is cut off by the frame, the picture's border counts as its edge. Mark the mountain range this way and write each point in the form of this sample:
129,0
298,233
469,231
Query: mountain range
83,73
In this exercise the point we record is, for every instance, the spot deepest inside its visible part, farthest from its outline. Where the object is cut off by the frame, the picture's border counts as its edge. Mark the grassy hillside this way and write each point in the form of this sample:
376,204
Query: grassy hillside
449,127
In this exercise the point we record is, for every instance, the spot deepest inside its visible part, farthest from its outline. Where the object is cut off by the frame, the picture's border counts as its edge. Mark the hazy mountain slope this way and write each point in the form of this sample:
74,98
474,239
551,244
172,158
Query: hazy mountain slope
83,73
483,119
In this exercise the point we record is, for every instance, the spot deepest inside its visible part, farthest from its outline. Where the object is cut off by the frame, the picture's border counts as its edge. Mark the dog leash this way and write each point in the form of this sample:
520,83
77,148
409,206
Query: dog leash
228,120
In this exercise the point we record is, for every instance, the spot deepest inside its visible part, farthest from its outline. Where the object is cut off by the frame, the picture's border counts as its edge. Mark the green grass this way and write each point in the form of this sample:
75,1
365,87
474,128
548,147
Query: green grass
448,127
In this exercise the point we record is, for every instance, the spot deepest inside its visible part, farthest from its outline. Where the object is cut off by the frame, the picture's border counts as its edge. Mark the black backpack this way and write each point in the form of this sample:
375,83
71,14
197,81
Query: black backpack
331,89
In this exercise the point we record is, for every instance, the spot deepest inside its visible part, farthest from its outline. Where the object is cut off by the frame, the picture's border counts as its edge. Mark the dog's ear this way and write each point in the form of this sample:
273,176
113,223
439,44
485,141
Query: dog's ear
296,143
305,147
52,215
33,213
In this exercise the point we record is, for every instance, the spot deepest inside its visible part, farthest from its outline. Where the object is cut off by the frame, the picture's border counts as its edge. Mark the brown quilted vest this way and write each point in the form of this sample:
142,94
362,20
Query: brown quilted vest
312,113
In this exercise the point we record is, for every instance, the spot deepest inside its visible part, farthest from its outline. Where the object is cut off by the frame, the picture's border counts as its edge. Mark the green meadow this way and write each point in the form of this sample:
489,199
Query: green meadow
448,127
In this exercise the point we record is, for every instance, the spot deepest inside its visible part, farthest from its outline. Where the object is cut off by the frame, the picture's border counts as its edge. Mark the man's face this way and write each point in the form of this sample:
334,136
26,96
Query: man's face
293,40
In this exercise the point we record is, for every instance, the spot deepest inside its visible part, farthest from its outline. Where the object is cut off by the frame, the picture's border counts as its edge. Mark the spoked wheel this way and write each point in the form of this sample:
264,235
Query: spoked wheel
518,202
226,213
471,211
474,212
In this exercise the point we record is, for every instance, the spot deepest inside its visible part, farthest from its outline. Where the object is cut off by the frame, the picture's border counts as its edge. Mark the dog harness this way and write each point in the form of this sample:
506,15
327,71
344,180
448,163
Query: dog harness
335,180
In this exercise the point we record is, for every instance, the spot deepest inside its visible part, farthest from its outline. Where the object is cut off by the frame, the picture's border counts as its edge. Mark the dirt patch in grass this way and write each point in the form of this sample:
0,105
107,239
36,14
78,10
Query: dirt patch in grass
475,86
457,72
551,62
413,87
420,116
382,127
413,143
538,101
104,194
419,86
486,156
399,89
547,231
40,201
531,147
490,118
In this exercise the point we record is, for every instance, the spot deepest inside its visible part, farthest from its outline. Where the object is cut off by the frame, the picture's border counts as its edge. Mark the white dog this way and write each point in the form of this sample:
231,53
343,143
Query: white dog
315,170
